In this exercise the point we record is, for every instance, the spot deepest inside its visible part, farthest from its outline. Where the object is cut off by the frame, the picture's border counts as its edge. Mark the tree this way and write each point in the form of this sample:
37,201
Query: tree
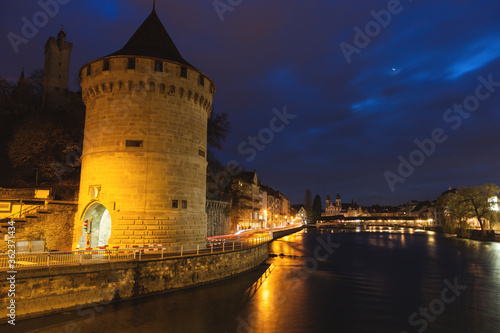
468,203
455,211
5,94
317,208
477,199
36,82
218,128
36,144
308,205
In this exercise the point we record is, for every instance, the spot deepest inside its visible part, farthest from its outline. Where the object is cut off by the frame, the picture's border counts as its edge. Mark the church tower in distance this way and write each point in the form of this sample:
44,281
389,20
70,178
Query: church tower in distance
143,179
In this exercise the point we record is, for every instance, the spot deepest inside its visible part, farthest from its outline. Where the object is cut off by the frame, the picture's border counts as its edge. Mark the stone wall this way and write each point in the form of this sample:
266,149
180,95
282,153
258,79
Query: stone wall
17,193
54,224
218,219
55,289
282,233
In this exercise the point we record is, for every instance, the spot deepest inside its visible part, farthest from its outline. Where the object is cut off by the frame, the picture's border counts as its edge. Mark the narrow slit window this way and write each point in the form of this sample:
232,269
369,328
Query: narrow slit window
89,70
105,65
134,143
202,80
184,204
131,63
158,66
184,72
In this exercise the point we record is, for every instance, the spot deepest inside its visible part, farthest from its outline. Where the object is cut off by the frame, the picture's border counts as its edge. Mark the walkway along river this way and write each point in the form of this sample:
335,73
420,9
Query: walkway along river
324,281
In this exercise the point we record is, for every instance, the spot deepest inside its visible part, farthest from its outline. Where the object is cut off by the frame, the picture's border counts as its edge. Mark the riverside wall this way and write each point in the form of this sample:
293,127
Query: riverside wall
282,233
65,288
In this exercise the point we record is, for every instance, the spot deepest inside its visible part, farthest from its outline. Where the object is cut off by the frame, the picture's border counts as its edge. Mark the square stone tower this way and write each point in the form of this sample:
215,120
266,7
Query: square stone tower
56,72
143,177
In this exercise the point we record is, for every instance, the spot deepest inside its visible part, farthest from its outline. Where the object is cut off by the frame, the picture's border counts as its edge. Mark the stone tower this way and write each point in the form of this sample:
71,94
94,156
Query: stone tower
56,72
143,177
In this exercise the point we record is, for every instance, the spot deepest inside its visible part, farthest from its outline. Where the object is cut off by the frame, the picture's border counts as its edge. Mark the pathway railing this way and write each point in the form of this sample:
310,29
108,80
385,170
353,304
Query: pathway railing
60,258
22,212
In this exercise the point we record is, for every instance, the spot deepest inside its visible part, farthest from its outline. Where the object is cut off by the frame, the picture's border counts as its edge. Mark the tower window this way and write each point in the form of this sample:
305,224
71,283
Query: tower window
105,65
152,87
89,70
134,143
175,203
184,204
95,191
184,72
201,153
202,80
158,66
131,63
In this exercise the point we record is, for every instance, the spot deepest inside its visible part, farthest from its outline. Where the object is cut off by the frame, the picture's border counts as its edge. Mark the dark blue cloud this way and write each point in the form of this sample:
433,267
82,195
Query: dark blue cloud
353,119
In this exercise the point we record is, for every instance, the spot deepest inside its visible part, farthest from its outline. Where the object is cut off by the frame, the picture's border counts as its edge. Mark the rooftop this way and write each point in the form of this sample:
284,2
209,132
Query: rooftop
152,40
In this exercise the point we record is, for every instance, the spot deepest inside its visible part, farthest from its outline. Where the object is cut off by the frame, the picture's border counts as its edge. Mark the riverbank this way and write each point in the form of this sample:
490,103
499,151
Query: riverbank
486,235
479,235
54,289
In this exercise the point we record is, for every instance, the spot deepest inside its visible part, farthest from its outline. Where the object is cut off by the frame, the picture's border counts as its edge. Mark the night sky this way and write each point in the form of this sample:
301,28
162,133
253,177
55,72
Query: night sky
355,117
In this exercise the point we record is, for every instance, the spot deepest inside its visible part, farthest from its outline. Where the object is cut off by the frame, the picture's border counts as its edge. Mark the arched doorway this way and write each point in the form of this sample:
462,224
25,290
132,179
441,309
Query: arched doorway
98,227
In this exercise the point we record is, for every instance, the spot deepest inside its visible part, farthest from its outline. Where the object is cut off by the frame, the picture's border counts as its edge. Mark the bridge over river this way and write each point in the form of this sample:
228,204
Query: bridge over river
402,221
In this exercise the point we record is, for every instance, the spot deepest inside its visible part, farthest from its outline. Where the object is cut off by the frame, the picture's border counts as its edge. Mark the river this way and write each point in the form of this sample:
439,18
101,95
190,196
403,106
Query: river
324,281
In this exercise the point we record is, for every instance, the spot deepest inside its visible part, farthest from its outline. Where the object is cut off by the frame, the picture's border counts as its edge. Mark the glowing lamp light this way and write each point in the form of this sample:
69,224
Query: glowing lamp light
494,203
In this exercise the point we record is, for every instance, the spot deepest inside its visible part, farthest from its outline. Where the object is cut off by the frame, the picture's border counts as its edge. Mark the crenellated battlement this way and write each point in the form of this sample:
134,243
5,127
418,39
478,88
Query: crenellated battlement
111,75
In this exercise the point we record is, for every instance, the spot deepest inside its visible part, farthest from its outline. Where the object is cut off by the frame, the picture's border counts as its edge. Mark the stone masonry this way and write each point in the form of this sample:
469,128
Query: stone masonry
145,146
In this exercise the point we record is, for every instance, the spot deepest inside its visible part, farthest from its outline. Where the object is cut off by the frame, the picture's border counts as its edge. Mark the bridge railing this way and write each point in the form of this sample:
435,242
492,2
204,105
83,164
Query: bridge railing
38,260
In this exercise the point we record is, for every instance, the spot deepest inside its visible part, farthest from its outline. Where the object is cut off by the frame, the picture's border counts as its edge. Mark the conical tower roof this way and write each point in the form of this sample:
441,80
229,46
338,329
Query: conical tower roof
152,40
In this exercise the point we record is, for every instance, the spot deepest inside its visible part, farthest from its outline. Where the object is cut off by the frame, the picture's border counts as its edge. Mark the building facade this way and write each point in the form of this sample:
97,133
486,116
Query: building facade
256,206
338,208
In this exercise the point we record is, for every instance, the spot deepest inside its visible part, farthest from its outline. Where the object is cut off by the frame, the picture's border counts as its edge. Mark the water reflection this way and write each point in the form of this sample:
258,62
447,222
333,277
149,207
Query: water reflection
373,282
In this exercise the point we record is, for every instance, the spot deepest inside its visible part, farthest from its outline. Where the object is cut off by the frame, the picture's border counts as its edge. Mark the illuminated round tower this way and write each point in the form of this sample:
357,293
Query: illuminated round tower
143,177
